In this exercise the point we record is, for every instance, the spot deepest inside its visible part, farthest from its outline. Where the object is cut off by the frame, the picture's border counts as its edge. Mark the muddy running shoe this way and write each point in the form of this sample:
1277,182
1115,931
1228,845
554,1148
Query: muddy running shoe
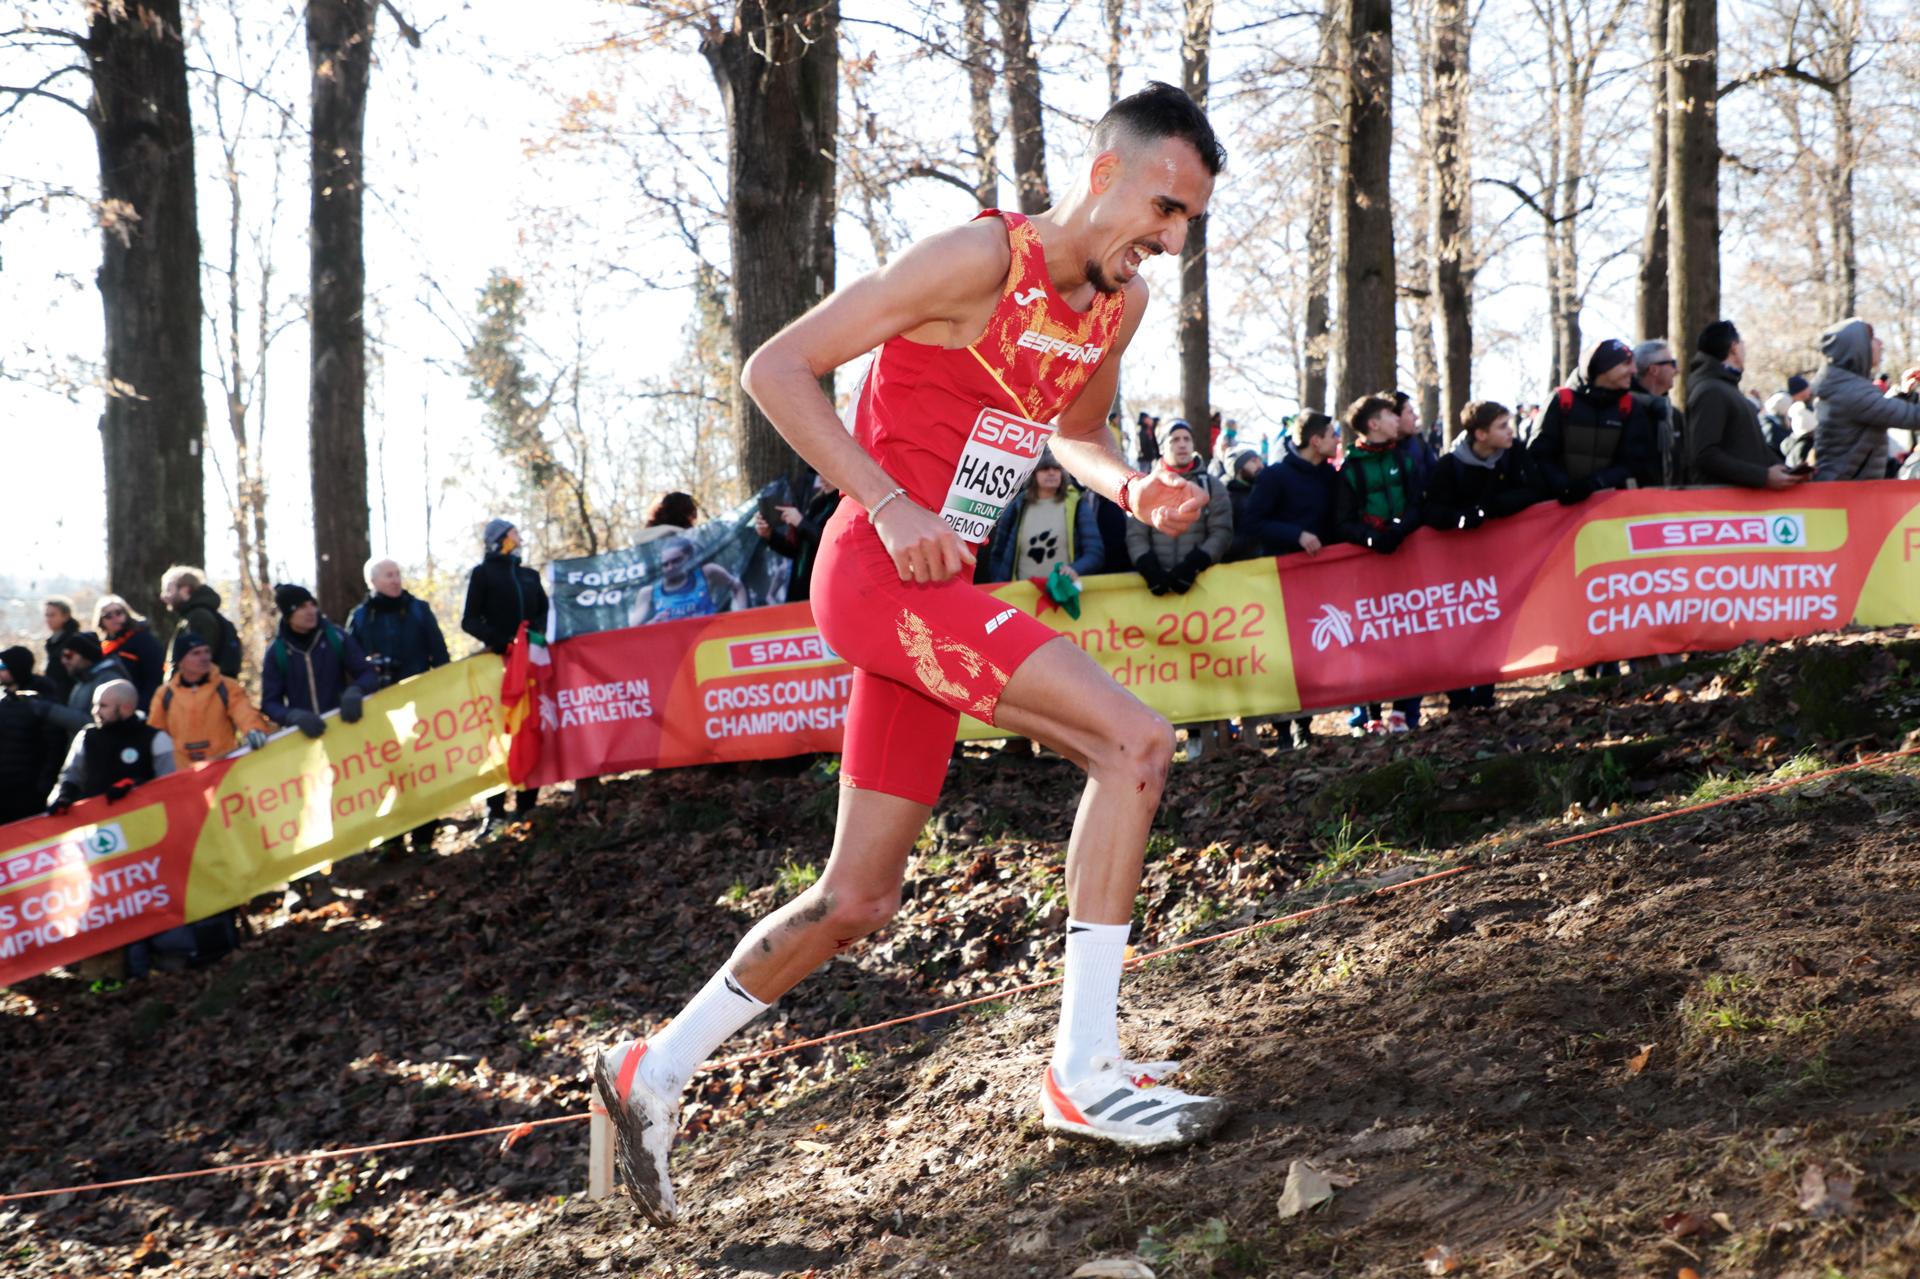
1118,1104
644,1124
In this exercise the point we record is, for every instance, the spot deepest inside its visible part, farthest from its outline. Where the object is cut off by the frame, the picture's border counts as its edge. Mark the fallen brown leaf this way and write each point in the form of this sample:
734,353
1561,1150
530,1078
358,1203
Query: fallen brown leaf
1824,1194
1638,1062
1441,1260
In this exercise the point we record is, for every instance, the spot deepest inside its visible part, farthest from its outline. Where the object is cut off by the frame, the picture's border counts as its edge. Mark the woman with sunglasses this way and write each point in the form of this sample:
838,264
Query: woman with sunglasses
125,634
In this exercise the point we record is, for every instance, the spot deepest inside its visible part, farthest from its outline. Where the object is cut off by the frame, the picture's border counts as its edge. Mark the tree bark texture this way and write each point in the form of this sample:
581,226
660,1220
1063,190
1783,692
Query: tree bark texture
1192,328
1364,270
340,56
156,414
1116,33
986,135
1650,310
1321,149
1693,175
778,70
1453,266
1024,119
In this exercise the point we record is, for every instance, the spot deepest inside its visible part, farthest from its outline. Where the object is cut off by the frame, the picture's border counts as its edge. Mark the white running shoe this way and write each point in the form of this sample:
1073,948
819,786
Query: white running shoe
1118,1104
644,1125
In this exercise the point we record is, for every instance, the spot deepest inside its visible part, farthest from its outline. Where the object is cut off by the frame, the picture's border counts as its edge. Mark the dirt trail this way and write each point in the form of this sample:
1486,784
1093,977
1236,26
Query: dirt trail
1691,1045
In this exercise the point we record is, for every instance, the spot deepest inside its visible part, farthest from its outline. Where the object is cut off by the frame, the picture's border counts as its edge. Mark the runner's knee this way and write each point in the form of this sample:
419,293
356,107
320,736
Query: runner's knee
1139,746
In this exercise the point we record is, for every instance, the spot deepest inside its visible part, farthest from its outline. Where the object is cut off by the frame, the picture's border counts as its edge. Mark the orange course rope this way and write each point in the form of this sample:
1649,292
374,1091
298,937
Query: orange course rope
516,1131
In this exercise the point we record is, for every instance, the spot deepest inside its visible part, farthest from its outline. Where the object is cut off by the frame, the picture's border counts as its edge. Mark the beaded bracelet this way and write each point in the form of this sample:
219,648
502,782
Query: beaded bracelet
874,514
1124,499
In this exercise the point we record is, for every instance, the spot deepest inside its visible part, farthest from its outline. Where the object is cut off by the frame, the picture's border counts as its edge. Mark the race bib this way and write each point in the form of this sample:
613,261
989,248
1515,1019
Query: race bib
1000,454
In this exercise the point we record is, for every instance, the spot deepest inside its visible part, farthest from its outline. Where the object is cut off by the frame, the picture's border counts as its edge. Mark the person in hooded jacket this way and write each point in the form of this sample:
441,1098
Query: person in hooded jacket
396,629
1172,562
1725,442
207,714
126,637
1593,435
34,728
1050,521
88,668
1243,469
311,667
1852,414
502,592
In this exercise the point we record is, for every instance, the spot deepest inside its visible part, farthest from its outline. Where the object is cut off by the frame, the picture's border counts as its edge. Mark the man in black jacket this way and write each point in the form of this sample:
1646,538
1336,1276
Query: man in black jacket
33,736
501,594
119,752
1726,444
1592,434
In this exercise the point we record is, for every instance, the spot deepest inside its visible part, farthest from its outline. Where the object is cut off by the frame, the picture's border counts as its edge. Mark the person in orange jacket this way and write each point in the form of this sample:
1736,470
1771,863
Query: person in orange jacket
206,713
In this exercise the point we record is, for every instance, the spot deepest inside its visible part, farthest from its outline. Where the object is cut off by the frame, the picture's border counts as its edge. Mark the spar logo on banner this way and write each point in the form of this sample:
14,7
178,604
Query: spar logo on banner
76,848
1419,610
1771,531
771,684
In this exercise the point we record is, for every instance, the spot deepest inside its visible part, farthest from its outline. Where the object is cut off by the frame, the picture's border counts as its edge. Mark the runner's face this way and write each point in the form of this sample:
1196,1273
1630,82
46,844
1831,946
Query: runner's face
1146,195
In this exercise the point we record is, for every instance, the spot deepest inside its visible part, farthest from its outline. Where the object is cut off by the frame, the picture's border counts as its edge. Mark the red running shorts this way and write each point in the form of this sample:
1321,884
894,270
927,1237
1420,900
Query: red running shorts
922,654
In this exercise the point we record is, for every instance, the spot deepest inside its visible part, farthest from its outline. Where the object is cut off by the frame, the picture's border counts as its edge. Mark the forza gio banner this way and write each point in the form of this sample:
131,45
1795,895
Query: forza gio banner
1622,575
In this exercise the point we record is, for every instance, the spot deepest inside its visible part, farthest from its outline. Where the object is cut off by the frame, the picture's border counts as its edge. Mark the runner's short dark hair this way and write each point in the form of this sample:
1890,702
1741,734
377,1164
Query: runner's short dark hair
1161,111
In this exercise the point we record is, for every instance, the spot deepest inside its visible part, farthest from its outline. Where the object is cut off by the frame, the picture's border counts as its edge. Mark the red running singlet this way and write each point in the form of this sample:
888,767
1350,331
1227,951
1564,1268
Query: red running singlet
960,430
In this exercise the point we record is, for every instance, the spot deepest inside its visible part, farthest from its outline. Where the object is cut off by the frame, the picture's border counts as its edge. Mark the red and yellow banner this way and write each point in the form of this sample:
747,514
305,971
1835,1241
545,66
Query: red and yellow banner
1623,575
197,842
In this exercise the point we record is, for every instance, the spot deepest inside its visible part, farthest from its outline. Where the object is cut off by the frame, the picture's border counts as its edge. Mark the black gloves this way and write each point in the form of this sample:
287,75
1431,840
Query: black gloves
1183,574
1158,580
120,790
1576,492
350,700
1472,517
307,722
60,806
1386,538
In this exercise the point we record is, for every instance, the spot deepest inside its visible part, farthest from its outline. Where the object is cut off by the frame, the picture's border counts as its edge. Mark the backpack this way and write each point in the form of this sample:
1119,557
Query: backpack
226,649
166,695
277,651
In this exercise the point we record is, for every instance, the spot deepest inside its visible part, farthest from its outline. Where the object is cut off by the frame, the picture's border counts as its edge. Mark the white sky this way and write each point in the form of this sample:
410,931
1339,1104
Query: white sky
452,190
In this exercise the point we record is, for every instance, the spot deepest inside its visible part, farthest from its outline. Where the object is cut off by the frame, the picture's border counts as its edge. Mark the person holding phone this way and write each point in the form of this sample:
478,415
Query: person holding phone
1724,440
795,534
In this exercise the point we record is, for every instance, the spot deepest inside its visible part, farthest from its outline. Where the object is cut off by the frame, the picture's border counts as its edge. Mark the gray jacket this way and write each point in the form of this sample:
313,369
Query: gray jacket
1850,442
1212,532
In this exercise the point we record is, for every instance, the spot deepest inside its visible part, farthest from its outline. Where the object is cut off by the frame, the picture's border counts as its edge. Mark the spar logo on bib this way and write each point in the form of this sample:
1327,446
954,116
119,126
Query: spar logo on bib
999,456
1773,531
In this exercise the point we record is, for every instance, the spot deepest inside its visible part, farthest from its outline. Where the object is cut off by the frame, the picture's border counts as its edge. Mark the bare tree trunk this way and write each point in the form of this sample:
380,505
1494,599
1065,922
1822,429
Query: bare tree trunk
1321,152
1116,30
1426,364
156,413
1846,160
1195,389
986,136
1452,208
1364,254
1650,309
1024,118
778,68
340,52
1693,174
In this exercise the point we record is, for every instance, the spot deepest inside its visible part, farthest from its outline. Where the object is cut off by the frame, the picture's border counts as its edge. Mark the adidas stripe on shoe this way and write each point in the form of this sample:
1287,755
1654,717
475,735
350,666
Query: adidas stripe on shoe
644,1126
1118,1104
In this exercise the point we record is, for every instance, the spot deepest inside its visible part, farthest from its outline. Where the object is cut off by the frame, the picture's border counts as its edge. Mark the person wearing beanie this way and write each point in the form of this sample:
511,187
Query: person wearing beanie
1172,562
311,667
1853,414
206,713
396,629
88,668
34,727
1243,469
1593,434
1049,522
501,594
1725,441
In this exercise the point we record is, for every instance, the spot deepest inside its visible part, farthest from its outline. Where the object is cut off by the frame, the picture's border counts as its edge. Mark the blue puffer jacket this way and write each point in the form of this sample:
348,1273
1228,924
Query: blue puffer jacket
402,629
1291,497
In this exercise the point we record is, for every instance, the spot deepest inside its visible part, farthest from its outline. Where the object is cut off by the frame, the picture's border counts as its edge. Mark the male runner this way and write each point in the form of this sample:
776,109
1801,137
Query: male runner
996,338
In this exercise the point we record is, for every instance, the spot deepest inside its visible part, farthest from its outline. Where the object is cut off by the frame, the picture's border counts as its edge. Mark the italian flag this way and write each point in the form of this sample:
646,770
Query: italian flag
527,666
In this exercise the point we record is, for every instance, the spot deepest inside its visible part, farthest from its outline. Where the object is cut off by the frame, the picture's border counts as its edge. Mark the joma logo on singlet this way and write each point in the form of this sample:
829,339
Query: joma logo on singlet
1035,340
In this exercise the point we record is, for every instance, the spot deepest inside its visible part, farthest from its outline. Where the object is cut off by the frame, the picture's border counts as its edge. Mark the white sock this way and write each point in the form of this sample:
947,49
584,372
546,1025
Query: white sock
1090,998
722,1007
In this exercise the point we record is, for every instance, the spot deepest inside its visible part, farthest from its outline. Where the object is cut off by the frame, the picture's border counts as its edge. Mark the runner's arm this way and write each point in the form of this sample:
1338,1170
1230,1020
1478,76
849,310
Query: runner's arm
1085,446
928,291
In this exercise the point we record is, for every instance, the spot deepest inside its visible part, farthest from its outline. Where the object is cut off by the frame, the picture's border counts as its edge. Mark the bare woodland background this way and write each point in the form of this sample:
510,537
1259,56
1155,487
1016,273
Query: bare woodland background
374,271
